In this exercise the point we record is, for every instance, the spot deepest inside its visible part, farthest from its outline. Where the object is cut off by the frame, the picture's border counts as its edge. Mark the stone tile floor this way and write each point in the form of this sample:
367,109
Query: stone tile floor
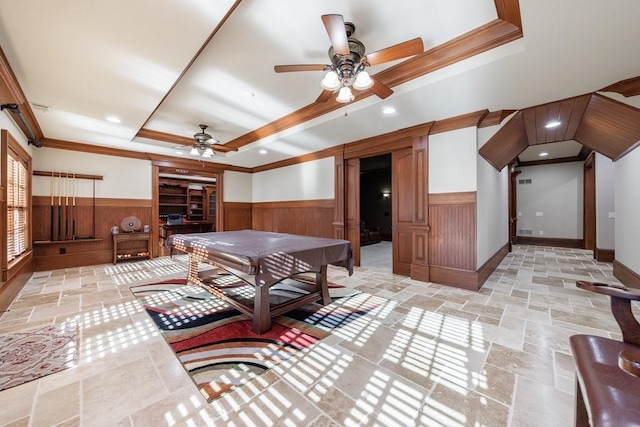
431,355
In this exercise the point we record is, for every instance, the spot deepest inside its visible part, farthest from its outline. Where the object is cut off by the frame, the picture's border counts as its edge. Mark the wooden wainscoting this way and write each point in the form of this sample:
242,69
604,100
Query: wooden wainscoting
304,217
21,274
237,216
93,243
452,239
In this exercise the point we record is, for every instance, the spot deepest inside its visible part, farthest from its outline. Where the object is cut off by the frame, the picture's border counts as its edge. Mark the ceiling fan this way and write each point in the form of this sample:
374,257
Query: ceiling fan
203,143
348,61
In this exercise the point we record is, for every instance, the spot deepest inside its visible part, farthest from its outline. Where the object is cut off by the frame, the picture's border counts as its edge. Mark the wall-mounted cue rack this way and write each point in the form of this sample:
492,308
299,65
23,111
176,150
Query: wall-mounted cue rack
63,209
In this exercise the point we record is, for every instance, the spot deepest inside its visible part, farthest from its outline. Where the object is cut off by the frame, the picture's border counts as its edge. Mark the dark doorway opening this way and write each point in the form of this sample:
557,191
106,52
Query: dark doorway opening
375,199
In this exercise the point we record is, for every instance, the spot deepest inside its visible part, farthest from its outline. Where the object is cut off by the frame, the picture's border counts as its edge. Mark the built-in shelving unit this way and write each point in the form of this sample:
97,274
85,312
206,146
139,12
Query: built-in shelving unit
189,199
196,202
173,198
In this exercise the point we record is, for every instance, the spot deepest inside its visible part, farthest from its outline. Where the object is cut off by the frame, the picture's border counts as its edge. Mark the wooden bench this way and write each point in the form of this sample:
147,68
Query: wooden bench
608,371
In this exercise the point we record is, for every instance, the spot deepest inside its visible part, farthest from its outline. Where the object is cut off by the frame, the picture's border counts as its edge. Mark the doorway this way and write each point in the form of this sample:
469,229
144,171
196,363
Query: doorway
376,212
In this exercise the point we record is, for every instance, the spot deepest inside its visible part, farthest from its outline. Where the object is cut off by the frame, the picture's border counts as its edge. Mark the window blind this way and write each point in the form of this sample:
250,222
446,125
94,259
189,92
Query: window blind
16,206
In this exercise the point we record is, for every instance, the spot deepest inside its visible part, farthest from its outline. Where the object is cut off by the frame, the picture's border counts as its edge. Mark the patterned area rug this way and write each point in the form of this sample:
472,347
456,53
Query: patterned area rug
29,355
215,342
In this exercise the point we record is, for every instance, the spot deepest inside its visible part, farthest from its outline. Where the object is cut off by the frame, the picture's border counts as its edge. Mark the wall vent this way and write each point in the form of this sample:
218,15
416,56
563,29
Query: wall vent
524,181
41,107
525,232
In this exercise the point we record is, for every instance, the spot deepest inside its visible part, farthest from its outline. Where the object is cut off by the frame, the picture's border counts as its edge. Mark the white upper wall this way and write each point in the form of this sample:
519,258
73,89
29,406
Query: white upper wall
237,187
452,161
627,203
7,123
123,178
553,202
492,211
311,180
605,202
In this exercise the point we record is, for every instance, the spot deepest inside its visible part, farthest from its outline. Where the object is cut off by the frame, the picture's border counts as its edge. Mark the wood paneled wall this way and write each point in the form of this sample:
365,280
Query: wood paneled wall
306,217
452,239
52,255
237,216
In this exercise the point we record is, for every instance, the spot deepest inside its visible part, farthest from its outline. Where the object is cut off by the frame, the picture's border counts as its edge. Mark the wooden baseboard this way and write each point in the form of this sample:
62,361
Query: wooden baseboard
55,262
492,263
604,255
464,279
12,287
420,272
626,276
550,241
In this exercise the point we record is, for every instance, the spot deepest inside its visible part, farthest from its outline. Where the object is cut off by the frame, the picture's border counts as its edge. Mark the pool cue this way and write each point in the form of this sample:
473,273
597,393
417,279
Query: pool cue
66,207
51,191
59,205
93,236
73,209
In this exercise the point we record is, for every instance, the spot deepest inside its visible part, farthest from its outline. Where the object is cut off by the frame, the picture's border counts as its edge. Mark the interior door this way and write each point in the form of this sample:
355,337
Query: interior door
513,208
352,206
589,223
402,210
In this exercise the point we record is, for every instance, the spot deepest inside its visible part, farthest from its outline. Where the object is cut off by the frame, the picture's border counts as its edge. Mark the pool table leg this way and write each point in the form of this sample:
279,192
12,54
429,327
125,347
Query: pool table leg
322,285
261,321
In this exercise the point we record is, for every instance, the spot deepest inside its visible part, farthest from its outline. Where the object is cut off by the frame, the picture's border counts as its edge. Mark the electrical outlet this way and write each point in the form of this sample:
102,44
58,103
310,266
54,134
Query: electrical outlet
540,233
538,213
612,214
63,251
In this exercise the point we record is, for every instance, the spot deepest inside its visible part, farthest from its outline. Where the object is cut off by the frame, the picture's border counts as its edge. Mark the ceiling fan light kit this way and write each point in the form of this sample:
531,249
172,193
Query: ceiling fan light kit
348,61
203,145
345,95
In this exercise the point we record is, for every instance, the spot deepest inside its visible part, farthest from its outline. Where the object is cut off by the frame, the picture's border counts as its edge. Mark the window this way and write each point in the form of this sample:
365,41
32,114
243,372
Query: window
16,183
17,207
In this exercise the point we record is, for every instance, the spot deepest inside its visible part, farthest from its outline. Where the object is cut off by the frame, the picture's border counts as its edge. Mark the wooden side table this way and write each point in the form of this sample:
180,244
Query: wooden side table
127,253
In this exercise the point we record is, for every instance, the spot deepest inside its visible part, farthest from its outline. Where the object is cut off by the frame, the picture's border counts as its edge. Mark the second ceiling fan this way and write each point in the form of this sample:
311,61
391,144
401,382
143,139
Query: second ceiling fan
349,60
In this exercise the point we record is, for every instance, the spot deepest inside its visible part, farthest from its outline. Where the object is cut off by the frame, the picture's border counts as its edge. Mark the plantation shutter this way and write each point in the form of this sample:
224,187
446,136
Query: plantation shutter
16,206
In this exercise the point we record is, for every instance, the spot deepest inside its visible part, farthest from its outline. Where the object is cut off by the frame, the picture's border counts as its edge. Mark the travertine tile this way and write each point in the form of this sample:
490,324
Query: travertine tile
57,406
427,355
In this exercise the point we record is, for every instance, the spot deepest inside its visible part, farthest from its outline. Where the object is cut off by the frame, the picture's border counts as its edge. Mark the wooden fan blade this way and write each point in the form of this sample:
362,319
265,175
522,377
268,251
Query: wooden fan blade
337,33
324,96
381,89
301,67
400,50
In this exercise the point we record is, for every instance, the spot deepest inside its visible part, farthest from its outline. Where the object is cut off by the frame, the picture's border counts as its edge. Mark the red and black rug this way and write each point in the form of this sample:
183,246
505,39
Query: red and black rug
215,342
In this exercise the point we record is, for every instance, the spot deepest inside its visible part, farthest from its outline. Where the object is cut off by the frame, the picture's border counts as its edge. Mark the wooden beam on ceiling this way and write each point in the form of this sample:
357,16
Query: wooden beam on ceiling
479,40
567,111
507,143
609,127
626,88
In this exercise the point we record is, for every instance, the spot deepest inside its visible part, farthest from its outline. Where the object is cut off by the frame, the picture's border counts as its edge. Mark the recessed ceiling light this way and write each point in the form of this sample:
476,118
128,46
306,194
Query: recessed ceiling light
388,110
552,124
543,154
113,119
248,94
262,151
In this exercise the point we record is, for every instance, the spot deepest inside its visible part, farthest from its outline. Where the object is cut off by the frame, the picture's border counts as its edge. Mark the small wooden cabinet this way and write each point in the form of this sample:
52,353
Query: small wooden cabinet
131,246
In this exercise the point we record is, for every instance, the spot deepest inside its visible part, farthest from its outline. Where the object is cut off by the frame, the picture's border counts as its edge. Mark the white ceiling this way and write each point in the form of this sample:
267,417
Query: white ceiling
89,60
